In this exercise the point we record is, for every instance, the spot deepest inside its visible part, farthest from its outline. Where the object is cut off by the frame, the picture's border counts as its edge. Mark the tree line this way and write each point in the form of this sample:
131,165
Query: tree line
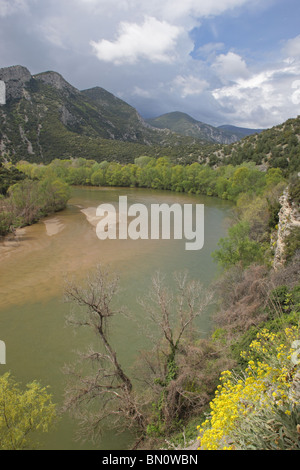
226,182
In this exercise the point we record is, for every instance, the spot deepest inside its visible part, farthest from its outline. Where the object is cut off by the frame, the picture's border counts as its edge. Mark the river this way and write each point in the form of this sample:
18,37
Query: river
35,263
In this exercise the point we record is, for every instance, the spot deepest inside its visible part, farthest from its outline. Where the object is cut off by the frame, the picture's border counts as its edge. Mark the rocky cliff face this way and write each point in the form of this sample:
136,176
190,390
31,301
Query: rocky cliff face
184,124
289,218
45,117
56,80
15,79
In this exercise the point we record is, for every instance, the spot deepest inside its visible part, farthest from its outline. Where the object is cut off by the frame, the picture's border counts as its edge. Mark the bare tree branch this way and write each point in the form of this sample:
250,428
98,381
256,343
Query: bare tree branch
107,388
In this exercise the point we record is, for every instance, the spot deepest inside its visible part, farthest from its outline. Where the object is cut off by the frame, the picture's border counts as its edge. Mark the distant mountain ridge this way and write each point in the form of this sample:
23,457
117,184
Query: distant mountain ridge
241,132
45,117
184,124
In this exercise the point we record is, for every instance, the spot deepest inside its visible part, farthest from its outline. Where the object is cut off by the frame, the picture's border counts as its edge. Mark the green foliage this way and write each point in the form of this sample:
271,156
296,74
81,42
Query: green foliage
7,220
54,195
25,199
226,182
283,310
143,161
8,177
238,248
278,296
29,200
23,413
294,189
35,199
292,243
274,208
187,435
276,148
259,408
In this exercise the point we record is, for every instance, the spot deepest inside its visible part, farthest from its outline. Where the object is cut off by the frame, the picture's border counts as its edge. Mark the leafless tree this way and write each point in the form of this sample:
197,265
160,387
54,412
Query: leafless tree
99,391
173,312
106,392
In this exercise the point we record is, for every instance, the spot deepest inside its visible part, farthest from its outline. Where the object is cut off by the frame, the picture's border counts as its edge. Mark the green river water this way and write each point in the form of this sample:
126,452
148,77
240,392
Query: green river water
34,264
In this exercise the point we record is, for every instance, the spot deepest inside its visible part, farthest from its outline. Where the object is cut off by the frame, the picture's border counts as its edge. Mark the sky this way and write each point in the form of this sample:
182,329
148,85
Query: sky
220,61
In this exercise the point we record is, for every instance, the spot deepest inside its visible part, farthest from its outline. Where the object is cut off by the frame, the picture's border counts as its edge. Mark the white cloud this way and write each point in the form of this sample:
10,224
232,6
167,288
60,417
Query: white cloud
174,9
230,67
161,70
153,40
170,10
295,98
141,92
263,98
149,29
190,85
292,47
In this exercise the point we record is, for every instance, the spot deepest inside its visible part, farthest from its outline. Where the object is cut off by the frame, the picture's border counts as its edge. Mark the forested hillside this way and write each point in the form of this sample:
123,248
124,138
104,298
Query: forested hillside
278,147
45,118
184,124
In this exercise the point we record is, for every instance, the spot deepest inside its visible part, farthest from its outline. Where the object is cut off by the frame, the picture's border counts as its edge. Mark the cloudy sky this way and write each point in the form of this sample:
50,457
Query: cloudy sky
221,61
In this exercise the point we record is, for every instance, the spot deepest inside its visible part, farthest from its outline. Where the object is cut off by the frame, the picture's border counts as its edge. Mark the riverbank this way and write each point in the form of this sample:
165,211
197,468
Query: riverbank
29,201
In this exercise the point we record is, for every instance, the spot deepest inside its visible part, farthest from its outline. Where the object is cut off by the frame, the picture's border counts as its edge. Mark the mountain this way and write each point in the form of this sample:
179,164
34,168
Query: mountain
278,147
241,132
45,117
184,124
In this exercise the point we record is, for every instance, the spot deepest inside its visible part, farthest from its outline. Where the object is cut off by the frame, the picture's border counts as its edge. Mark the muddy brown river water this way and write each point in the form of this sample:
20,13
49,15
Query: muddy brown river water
35,263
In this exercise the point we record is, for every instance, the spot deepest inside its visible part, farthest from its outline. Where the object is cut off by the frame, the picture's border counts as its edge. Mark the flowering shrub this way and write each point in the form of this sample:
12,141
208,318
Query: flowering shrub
258,409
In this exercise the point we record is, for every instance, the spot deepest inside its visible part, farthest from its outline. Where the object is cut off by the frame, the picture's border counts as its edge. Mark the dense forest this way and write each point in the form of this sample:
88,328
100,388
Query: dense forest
225,182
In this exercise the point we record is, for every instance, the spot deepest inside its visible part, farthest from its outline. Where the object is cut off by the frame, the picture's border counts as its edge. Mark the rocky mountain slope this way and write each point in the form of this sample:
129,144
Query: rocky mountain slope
184,124
240,132
45,117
